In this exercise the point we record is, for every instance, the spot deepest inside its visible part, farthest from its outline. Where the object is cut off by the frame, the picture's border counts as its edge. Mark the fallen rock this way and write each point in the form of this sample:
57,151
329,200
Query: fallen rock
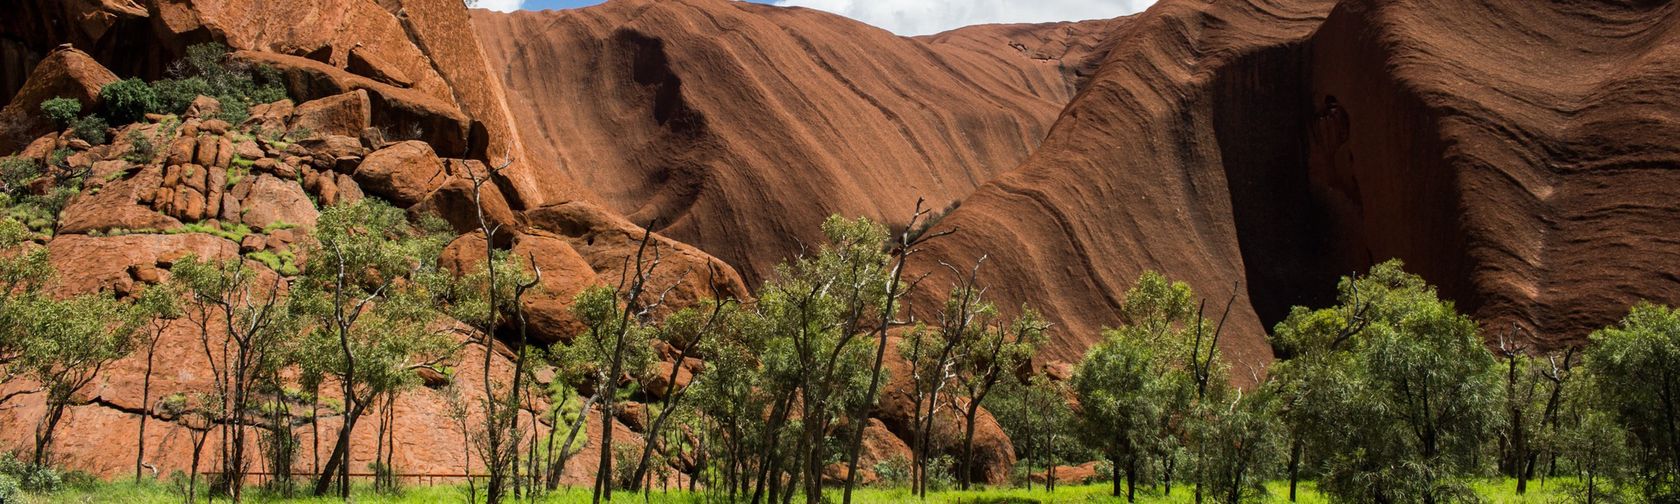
403,173
117,205
344,114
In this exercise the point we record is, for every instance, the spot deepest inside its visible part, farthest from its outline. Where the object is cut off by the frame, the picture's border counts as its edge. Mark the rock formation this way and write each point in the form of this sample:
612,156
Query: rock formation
1521,155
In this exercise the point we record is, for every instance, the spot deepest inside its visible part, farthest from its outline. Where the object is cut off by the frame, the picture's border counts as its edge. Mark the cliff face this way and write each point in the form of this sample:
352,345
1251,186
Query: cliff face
738,127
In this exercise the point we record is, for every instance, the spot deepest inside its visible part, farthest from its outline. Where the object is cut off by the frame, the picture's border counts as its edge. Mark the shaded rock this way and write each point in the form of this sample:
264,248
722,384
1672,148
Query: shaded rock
605,240
454,204
409,113
203,107
369,64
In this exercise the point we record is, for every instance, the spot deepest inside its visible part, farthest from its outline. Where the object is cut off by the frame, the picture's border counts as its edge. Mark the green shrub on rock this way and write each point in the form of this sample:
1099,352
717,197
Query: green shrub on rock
127,101
62,110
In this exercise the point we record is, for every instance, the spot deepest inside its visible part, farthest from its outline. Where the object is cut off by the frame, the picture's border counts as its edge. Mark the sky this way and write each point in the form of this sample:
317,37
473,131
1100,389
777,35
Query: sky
915,17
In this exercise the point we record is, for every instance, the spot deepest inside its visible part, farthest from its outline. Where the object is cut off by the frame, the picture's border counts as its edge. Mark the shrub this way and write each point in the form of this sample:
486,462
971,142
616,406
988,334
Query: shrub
141,149
205,71
61,110
17,172
128,100
10,491
91,128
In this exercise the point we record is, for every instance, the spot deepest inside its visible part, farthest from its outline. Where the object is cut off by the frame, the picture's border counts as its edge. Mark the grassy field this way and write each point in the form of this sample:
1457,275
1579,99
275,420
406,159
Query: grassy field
1493,491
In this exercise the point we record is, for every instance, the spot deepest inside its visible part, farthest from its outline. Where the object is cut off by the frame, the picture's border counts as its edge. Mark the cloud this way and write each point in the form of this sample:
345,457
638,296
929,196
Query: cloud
922,17
499,5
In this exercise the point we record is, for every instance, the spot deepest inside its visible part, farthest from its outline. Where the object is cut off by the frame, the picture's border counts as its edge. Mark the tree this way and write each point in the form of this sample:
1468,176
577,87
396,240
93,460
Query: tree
245,329
908,243
155,308
1034,413
615,344
1239,445
1119,389
1635,368
1407,394
684,331
366,289
1002,346
1141,378
66,344
23,270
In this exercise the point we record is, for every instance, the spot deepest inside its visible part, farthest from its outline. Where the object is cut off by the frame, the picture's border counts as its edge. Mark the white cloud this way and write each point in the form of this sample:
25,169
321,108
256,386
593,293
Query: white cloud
499,5
922,17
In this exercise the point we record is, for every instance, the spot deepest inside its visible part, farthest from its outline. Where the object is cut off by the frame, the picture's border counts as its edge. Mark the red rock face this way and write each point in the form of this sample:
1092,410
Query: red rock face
738,127
1523,156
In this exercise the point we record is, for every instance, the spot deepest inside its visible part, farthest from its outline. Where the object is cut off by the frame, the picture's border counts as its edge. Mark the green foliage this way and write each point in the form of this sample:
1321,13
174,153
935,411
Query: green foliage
1635,379
61,110
16,172
127,101
283,262
91,128
230,230
11,492
141,150
206,71
1394,389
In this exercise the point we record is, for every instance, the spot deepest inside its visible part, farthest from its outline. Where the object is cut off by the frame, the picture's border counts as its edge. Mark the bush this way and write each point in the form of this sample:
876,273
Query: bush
91,128
128,100
141,149
10,491
16,172
61,110
205,72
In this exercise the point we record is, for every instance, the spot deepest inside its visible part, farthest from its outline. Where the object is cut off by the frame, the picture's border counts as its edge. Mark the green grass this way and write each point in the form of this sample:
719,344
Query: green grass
1493,491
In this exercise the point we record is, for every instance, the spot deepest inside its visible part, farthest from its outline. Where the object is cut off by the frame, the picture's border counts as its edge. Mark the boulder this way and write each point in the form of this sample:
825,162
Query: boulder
548,310
411,113
203,107
1069,475
370,64
605,241
345,114
65,72
453,202
117,205
403,173
88,264
273,201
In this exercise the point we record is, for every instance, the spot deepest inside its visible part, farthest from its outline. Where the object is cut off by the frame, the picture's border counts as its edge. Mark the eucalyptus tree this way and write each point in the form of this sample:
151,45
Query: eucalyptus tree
1406,395
367,291
1001,347
1635,368
685,331
245,328
23,271
155,308
1132,383
66,344
815,311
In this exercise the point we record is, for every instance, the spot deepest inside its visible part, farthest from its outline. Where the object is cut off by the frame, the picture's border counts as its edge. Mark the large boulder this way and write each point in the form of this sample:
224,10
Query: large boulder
403,173
117,205
273,202
66,73
120,264
548,309
402,113
346,114
686,274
